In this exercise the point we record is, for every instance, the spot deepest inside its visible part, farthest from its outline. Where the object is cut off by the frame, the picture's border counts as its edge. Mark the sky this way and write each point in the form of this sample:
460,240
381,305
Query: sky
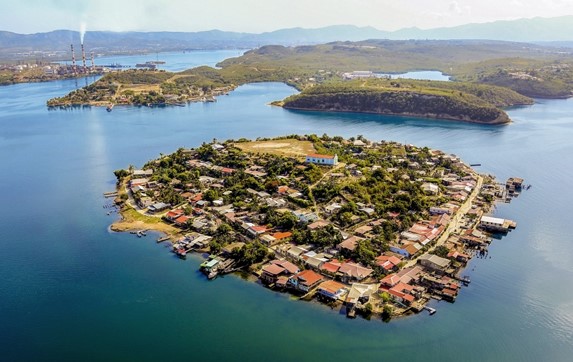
256,16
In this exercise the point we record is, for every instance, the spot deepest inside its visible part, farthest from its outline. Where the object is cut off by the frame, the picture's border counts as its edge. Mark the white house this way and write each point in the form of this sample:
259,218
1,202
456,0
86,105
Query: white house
322,159
497,224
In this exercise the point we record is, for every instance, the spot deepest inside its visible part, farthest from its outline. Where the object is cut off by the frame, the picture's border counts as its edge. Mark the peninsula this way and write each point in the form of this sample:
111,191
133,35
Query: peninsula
380,228
431,99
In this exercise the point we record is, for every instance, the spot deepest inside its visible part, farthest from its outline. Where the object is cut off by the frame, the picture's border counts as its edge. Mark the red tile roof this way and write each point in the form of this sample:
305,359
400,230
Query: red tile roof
279,236
308,277
391,279
331,286
331,266
273,269
182,219
258,228
287,265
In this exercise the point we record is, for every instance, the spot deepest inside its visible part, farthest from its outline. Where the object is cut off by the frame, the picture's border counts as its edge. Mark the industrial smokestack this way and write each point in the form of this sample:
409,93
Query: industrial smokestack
73,59
84,58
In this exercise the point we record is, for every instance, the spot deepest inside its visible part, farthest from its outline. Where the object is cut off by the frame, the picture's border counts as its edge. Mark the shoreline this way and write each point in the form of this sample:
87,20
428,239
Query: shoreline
406,115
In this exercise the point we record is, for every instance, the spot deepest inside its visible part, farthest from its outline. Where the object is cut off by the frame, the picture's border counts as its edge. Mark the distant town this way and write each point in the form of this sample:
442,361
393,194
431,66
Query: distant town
377,228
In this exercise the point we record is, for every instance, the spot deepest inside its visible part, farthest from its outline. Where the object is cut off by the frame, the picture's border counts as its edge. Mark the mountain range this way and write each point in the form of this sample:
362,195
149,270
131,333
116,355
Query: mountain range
556,31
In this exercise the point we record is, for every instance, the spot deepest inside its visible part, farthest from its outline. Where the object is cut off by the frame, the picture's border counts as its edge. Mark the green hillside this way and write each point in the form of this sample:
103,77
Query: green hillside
430,99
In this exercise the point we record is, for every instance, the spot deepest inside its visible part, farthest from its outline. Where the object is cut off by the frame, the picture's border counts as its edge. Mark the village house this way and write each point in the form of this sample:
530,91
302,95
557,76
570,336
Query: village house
456,255
388,263
289,267
322,159
318,224
360,293
331,290
496,224
142,173
434,262
271,272
157,207
349,244
403,293
305,281
353,272
430,188
330,267
294,252
174,214
407,249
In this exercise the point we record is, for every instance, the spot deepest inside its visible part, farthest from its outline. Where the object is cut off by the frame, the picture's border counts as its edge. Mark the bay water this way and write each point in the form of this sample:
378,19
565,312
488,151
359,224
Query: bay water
72,290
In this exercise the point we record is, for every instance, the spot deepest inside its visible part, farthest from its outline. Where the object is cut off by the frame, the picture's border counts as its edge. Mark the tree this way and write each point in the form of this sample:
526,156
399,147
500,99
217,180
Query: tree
441,251
120,174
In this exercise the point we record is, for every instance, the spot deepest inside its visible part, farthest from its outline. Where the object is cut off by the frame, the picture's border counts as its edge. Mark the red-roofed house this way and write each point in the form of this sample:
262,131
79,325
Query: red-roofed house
271,272
287,265
458,256
331,289
281,236
388,262
330,267
227,170
255,230
182,220
390,280
402,293
174,214
305,280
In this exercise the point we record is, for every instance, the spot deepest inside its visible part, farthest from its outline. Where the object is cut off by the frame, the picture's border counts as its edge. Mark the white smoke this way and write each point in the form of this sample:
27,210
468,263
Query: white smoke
82,31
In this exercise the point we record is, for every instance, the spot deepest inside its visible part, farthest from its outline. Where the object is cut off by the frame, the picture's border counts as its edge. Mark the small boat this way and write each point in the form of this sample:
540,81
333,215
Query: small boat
109,107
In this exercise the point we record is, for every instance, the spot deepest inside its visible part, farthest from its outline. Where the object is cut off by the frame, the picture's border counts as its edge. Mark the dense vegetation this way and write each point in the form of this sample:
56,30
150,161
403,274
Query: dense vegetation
387,178
448,100
527,69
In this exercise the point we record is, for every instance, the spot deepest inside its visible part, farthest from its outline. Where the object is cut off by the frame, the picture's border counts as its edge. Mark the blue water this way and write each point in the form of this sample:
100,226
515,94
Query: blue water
174,61
420,74
72,290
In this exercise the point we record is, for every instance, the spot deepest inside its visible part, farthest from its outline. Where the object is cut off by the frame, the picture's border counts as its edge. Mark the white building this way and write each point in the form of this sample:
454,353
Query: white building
322,159
496,224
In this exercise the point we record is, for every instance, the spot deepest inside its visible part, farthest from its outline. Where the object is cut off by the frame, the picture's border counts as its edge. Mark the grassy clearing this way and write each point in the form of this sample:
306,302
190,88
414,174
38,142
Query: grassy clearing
133,220
286,147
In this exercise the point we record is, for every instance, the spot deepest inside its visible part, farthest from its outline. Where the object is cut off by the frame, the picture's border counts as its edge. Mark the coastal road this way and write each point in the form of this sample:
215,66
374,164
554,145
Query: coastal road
455,222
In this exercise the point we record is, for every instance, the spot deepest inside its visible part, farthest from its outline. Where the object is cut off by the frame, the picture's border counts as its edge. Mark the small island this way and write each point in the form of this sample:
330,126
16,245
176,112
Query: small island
148,87
377,228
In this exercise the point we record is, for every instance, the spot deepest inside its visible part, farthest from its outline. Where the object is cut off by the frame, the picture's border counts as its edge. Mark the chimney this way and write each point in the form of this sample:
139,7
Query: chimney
84,58
73,59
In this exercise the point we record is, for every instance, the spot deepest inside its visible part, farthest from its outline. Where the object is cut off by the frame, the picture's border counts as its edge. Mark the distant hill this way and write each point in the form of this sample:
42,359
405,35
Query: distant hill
556,31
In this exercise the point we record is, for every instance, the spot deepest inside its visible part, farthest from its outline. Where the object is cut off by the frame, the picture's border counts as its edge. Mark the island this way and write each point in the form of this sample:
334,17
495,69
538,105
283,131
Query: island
378,228
459,101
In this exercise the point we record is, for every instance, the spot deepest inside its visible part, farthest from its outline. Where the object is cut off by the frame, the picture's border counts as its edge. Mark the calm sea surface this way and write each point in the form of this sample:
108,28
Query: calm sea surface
72,290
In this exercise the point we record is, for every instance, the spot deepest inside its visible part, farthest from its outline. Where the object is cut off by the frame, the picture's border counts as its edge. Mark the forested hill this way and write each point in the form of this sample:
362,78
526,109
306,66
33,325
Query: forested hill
430,99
